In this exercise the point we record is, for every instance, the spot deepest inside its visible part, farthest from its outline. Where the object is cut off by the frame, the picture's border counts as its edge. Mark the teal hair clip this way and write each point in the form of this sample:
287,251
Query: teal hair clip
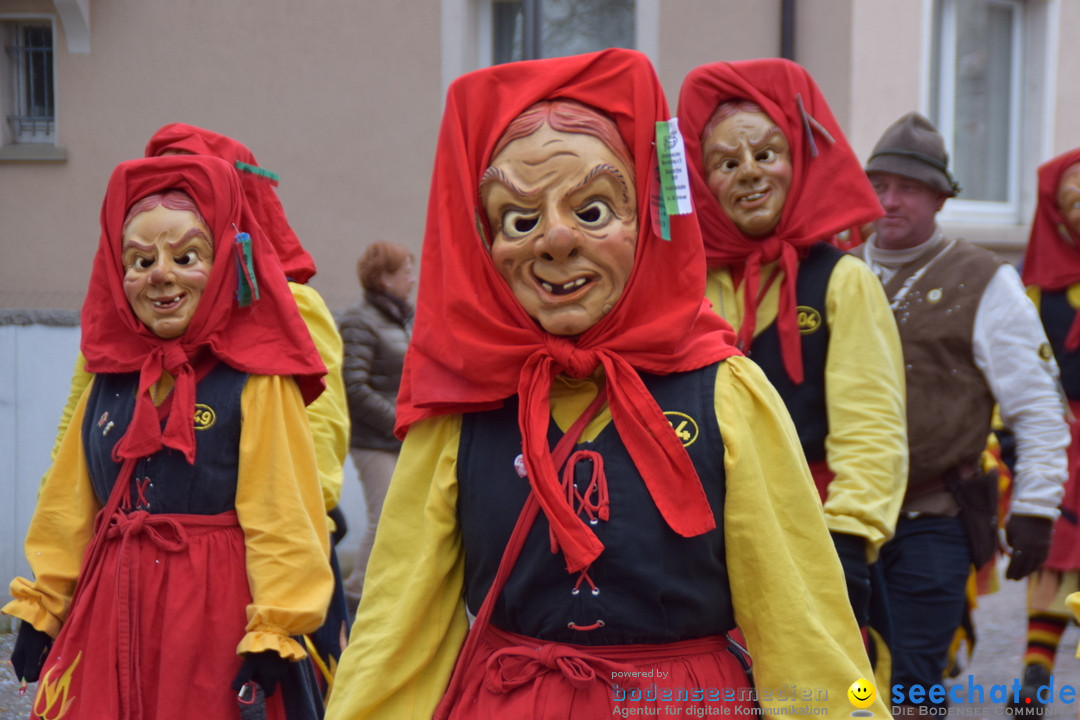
272,177
247,287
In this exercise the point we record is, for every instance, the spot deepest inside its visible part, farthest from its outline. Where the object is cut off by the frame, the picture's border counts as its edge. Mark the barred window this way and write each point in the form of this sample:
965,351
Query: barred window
31,99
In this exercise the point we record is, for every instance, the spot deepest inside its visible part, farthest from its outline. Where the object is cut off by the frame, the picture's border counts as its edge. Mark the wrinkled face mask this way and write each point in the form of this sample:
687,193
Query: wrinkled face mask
167,257
747,165
563,211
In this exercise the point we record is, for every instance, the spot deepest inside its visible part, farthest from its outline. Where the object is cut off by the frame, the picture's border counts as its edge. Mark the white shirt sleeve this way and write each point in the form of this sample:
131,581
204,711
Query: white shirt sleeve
1008,338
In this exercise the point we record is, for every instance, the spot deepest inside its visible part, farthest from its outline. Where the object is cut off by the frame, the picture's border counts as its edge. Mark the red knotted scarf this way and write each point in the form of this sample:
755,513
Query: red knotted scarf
265,205
1052,258
473,345
829,191
267,338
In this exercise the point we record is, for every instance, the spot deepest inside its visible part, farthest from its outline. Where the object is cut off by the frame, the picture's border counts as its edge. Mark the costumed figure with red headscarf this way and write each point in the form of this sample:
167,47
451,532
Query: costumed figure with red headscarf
179,540
328,415
773,180
595,487
1051,272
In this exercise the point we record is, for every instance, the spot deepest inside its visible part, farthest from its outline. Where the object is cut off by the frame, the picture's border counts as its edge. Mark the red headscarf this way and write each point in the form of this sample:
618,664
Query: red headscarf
829,190
473,345
1052,258
267,337
258,186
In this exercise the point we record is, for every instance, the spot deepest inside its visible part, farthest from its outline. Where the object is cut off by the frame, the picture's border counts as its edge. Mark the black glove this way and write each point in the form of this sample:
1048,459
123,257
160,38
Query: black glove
342,527
265,668
1029,538
31,648
852,552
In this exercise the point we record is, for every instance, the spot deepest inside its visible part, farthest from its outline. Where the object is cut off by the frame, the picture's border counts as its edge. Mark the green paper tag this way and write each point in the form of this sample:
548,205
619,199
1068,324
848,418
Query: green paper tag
247,288
665,222
674,176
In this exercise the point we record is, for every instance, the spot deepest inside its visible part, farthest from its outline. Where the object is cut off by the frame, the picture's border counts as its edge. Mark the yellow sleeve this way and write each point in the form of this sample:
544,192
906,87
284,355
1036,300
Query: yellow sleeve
1034,292
280,508
59,533
866,405
329,414
787,585
1072,294
411,621
79,380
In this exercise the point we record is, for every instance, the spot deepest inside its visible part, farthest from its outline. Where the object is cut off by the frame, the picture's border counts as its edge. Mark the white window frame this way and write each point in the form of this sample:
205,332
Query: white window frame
10,104
985,211
467,42
1038,57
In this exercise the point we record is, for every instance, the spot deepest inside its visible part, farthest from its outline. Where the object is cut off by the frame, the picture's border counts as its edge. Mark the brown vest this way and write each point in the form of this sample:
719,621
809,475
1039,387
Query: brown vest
949,404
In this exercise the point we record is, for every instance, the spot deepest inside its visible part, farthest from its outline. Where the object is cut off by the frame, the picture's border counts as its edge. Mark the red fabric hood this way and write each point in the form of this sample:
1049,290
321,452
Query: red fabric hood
268,337
261,196
473,345
829,191
1052,258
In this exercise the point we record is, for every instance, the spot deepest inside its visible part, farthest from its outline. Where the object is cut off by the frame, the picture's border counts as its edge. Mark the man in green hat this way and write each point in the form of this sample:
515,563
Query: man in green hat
971,338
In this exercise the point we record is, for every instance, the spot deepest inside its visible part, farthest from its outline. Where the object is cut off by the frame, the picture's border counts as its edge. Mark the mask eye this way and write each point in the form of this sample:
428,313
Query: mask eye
594,214
188,258
519,223
766,155
141,262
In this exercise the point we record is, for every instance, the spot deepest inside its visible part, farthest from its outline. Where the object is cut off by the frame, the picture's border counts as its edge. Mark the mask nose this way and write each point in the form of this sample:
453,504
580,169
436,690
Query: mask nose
163,272
560,242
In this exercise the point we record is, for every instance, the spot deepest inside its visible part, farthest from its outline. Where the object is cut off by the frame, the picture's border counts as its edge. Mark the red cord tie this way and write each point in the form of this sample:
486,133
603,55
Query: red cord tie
594,505
141,486
584,575
166,534
512,667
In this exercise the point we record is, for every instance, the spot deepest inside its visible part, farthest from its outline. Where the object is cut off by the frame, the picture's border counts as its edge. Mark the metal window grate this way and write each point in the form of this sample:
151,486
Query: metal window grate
31,55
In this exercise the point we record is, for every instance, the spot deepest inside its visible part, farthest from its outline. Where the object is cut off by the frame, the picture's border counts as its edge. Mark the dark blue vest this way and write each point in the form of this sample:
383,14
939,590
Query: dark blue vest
1057,317
805,402
654,585
168,483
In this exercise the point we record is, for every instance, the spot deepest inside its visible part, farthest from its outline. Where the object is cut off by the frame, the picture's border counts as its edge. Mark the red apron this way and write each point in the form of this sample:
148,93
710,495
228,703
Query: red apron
512,676
153,631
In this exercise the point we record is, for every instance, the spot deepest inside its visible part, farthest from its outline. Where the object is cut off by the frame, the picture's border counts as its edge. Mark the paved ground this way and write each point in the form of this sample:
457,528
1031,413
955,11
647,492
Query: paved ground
1000,622
12,705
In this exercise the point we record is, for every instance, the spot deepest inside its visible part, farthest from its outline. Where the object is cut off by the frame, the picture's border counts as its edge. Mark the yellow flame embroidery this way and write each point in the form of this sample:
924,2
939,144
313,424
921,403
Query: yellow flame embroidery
55,693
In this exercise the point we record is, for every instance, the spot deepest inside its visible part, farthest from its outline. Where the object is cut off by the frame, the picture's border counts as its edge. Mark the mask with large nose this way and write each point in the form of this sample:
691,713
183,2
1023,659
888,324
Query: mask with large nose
167,254
563,212
747,165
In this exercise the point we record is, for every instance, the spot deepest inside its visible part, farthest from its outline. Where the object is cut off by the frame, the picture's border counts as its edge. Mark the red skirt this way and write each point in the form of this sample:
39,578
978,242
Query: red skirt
154,628
1065,547
512,676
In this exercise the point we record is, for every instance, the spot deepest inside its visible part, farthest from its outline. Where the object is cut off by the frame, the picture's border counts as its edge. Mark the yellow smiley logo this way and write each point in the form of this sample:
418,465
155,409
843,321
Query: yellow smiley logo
862,693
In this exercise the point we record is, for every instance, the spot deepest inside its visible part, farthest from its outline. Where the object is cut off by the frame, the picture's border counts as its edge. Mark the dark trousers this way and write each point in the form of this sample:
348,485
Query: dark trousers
926,567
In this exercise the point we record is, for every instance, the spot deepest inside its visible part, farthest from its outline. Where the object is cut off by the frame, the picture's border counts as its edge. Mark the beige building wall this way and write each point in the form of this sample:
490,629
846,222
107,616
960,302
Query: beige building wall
695,32
343,100
1067,82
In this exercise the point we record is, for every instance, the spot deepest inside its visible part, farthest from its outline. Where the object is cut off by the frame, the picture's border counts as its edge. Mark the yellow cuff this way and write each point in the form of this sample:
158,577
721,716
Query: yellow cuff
271,637
31,612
